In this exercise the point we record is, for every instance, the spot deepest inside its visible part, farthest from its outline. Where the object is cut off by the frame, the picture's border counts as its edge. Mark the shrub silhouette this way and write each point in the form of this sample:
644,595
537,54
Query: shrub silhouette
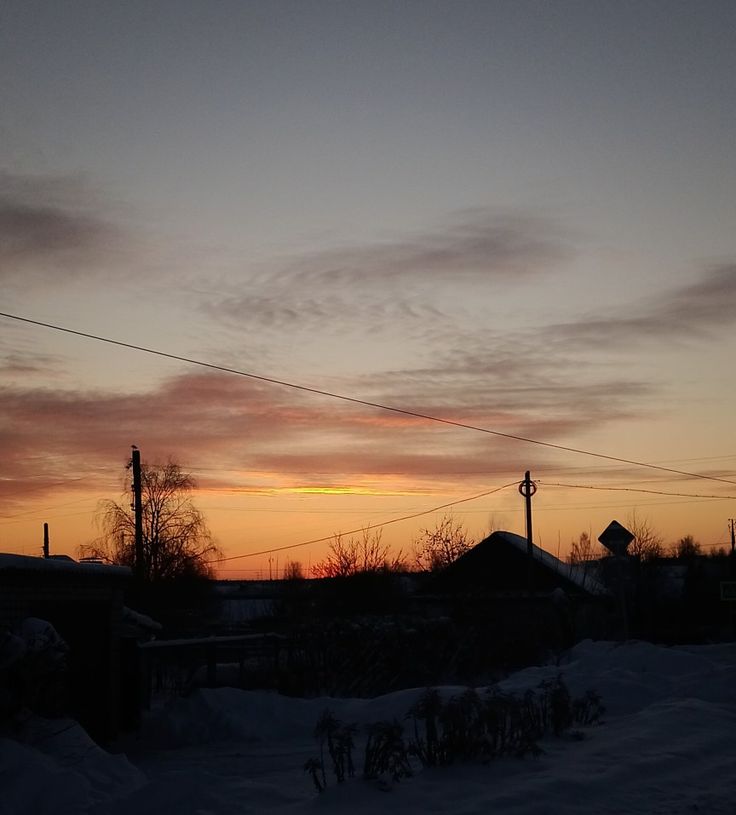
386,753
466,727
338,738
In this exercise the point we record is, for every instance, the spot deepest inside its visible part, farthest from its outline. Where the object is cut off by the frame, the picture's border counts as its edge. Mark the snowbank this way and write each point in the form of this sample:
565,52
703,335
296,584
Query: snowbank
52,766
667,746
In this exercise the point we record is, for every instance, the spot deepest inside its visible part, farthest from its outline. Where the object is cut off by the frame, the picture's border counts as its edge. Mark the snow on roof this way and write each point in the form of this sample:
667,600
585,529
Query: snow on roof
28,563
136,618
578,574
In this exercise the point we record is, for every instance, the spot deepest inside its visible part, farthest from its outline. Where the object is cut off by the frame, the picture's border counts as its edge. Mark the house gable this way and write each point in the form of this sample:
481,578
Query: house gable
499,564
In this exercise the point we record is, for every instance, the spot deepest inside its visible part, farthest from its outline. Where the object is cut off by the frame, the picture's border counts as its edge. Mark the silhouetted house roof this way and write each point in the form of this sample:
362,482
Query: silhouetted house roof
499,565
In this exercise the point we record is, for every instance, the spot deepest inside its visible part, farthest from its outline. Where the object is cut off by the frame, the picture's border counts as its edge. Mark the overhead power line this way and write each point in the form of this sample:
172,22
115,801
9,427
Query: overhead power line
372,526
632,489
357,401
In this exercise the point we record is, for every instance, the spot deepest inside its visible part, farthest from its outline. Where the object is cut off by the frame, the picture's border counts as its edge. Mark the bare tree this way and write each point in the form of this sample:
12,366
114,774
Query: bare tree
582,550
493,525
176,540
686,547
436,548
293,570
358,556
647,543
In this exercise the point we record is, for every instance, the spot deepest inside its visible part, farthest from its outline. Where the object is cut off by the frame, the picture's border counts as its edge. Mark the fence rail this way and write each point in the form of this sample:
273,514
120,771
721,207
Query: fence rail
173,667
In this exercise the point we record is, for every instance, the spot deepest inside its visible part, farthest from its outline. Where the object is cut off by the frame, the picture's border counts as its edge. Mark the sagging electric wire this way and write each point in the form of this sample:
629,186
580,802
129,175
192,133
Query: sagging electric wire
631,489
272,550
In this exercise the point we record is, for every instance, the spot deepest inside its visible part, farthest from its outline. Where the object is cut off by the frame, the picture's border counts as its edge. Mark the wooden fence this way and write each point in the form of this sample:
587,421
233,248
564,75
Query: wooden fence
174,667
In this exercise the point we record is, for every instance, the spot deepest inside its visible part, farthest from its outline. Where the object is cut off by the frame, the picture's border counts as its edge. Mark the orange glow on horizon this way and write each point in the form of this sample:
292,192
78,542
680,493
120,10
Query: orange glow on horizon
285,517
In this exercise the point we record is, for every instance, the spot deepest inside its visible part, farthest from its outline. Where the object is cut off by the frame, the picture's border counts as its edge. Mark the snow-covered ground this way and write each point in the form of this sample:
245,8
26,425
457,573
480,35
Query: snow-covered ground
667,745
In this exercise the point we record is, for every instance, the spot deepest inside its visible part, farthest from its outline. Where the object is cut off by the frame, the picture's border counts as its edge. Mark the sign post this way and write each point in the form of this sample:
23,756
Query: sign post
728,595
616,538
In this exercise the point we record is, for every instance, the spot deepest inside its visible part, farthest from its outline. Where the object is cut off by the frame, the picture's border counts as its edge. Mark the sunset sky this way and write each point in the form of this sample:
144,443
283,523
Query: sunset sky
519,216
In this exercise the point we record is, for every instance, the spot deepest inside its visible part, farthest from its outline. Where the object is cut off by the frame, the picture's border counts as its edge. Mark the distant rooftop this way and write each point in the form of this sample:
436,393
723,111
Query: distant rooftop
28,563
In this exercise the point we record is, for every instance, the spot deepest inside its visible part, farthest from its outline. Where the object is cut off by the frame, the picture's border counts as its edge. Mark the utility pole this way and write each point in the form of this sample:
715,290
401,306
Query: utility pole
527,488
46,540
138,512
733,546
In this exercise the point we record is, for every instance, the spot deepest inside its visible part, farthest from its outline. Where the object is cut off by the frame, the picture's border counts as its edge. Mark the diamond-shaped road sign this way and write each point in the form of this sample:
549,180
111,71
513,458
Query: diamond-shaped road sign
616,538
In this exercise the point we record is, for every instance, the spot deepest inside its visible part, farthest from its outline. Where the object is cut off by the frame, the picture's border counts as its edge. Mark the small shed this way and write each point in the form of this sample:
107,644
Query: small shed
84,603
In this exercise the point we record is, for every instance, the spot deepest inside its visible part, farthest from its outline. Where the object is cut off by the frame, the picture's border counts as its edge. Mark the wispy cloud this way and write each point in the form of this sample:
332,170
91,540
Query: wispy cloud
20,358
694,310
546,382
707,303
303,440
473,244
391,279
51,230
22,364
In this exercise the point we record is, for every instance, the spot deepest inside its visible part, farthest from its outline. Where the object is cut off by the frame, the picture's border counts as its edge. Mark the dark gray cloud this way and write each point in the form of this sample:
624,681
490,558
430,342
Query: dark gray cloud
382,284
51,229
694,310
707,303
529,394
394,279
330,314
473,245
